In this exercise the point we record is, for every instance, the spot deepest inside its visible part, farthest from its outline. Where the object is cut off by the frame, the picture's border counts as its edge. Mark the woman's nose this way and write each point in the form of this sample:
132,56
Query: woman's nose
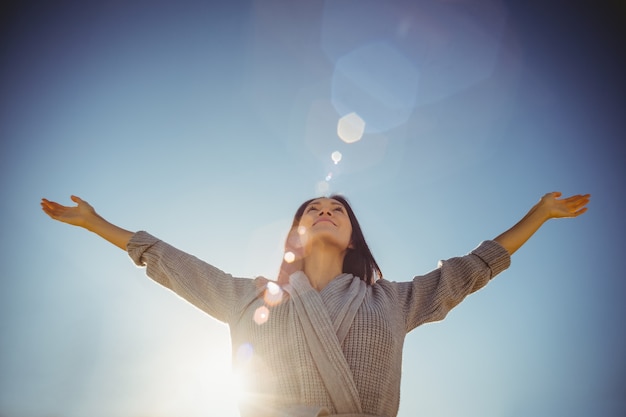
325,211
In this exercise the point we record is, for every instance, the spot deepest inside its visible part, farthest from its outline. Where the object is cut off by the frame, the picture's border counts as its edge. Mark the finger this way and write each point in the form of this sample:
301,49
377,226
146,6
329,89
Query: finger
53,205
581,202
79,201
48,209
47,205
56,209
577,197
570,202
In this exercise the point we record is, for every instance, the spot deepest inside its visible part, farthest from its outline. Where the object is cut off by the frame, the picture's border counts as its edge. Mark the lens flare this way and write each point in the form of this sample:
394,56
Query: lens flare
273,294
322,188
261,315
244,353
273,288
289,257
336,157
350,128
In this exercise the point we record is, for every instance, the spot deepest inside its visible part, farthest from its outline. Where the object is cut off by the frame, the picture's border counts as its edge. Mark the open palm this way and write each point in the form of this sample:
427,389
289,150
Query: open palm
565,207
74,215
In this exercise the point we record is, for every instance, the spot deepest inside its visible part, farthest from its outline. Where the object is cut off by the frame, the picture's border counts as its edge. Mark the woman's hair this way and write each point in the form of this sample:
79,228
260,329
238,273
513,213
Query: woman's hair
358,261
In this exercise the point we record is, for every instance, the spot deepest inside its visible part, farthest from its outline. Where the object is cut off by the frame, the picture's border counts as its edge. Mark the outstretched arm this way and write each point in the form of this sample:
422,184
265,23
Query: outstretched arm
83,215
549,207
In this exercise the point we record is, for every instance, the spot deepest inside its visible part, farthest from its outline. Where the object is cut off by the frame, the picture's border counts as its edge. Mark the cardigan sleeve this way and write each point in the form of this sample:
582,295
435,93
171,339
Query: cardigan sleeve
198,282
430,297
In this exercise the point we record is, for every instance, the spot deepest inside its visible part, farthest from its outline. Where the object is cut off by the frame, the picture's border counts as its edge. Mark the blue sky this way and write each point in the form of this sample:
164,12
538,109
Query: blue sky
207,124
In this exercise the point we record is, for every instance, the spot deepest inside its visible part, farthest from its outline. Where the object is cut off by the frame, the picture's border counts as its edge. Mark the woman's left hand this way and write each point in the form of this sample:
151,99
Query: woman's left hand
549,207
554,208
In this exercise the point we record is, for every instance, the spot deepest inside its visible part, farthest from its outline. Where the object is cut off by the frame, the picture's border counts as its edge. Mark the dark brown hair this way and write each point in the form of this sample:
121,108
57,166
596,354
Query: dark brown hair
358,261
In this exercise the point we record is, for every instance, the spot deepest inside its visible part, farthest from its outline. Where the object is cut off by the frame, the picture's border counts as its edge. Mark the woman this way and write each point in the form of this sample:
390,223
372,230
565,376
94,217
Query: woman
326,340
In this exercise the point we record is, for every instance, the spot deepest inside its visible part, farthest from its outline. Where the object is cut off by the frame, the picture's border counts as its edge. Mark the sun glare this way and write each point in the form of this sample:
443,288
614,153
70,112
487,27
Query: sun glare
231,388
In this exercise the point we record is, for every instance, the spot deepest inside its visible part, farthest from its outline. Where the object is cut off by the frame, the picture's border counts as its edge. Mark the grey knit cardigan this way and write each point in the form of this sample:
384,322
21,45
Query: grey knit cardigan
308,353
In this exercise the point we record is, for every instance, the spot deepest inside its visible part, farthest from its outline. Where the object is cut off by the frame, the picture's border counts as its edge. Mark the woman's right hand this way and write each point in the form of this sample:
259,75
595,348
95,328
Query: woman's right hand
80,215
83,215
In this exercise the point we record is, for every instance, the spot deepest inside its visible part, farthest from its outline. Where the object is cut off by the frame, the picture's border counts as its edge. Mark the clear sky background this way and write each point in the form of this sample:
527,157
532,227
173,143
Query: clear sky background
208,123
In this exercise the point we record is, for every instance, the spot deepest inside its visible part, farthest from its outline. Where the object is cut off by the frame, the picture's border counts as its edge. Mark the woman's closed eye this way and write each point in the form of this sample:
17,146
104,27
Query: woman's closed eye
335,208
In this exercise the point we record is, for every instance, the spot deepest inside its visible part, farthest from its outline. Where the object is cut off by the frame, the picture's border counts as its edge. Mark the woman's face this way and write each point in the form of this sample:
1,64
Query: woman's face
325,221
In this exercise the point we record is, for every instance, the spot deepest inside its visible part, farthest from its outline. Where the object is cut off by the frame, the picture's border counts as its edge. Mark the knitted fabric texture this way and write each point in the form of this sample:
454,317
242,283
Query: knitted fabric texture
282,371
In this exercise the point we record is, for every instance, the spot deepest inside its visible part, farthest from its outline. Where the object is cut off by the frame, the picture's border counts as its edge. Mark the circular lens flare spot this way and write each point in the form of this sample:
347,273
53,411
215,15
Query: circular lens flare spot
273,288
261,315
273,294
350,128
289,257
322,188
301,230
336,157
244,353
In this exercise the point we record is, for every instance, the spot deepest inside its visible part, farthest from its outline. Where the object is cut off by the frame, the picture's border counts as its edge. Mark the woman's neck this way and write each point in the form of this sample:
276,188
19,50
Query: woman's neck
322,266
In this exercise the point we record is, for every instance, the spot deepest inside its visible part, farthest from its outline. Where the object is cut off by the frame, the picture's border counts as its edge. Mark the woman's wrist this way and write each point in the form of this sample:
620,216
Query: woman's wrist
541,211
95,222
